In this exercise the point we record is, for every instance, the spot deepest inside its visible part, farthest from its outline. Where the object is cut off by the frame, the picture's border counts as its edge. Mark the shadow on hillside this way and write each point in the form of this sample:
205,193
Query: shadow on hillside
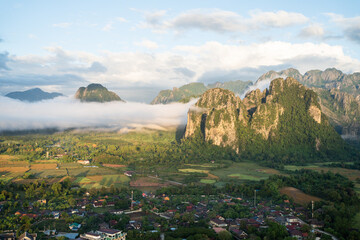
180,132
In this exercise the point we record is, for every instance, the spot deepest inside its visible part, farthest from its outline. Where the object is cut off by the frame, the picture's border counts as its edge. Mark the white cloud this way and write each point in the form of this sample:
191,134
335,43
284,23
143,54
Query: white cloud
62,25
175,67
107,27
32,36
224,21
350,26
277,19
313,30
65,113
147,44
121,19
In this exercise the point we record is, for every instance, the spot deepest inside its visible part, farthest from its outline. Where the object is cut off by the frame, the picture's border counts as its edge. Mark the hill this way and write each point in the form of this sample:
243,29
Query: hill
339,96
96,93
193,90
281,124
33,95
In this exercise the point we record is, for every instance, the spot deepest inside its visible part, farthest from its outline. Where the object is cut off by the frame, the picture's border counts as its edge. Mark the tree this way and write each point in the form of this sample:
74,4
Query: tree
224,235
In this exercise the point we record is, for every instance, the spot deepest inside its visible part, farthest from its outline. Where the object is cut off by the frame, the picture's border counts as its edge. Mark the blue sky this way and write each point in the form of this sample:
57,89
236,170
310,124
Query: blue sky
144,46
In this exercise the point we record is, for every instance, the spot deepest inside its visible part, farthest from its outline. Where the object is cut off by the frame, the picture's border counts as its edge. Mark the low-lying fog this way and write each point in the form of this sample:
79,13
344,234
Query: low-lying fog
66,112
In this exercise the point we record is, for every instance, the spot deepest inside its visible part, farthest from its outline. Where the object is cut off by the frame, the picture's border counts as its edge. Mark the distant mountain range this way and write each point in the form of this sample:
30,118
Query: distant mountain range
33,95
194,90
339,95
96,93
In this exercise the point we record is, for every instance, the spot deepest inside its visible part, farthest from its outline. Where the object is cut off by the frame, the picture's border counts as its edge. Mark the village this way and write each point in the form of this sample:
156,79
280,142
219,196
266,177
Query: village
162,213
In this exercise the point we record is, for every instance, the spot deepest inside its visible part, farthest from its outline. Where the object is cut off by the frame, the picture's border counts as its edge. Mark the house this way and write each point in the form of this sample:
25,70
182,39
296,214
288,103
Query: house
42,201
56,215
112,234
129,173
238,234
90,236
97,204
117,212
7,236
84,162
292,219
135,225
29,215
314,223
28,236
215,222
50,232
75,226
296,234
218,230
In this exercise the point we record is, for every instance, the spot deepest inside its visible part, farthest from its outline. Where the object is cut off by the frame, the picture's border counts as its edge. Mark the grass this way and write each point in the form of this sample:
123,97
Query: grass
244,171
241,176
208,181
193,170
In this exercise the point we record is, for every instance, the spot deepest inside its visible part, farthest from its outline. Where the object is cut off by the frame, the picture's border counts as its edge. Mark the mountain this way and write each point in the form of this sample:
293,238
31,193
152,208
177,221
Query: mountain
328,79
193,90
33,95
342,109
283,123
96,93
339,95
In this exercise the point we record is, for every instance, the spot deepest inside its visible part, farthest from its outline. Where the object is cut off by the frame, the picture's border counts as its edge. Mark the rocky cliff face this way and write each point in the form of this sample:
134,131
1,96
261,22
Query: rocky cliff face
96,93
216,116
343,110
225,120
338,93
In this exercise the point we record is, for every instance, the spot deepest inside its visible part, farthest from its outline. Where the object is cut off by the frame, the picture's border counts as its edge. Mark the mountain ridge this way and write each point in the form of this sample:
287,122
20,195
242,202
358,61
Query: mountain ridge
33,95
193,90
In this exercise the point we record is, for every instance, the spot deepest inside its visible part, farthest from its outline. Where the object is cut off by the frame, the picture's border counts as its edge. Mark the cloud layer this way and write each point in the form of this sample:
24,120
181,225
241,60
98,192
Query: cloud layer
223,21
65,113
65,71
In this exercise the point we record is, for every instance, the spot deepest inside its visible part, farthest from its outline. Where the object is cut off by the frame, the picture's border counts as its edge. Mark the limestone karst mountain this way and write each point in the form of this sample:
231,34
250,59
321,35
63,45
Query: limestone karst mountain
96,93
286,119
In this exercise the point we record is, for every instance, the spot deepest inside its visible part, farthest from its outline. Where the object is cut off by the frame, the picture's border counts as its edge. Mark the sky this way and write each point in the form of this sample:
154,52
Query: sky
136,48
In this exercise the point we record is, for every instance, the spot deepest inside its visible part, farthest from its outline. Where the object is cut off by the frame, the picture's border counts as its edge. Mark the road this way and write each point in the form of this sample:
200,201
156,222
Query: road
326,233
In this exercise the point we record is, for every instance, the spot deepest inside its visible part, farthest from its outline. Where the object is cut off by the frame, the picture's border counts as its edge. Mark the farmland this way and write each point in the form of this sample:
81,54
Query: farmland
298,196
112,154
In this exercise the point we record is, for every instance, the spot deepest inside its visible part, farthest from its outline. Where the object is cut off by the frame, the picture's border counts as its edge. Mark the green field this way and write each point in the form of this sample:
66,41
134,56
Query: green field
244,171
193,170
208,181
